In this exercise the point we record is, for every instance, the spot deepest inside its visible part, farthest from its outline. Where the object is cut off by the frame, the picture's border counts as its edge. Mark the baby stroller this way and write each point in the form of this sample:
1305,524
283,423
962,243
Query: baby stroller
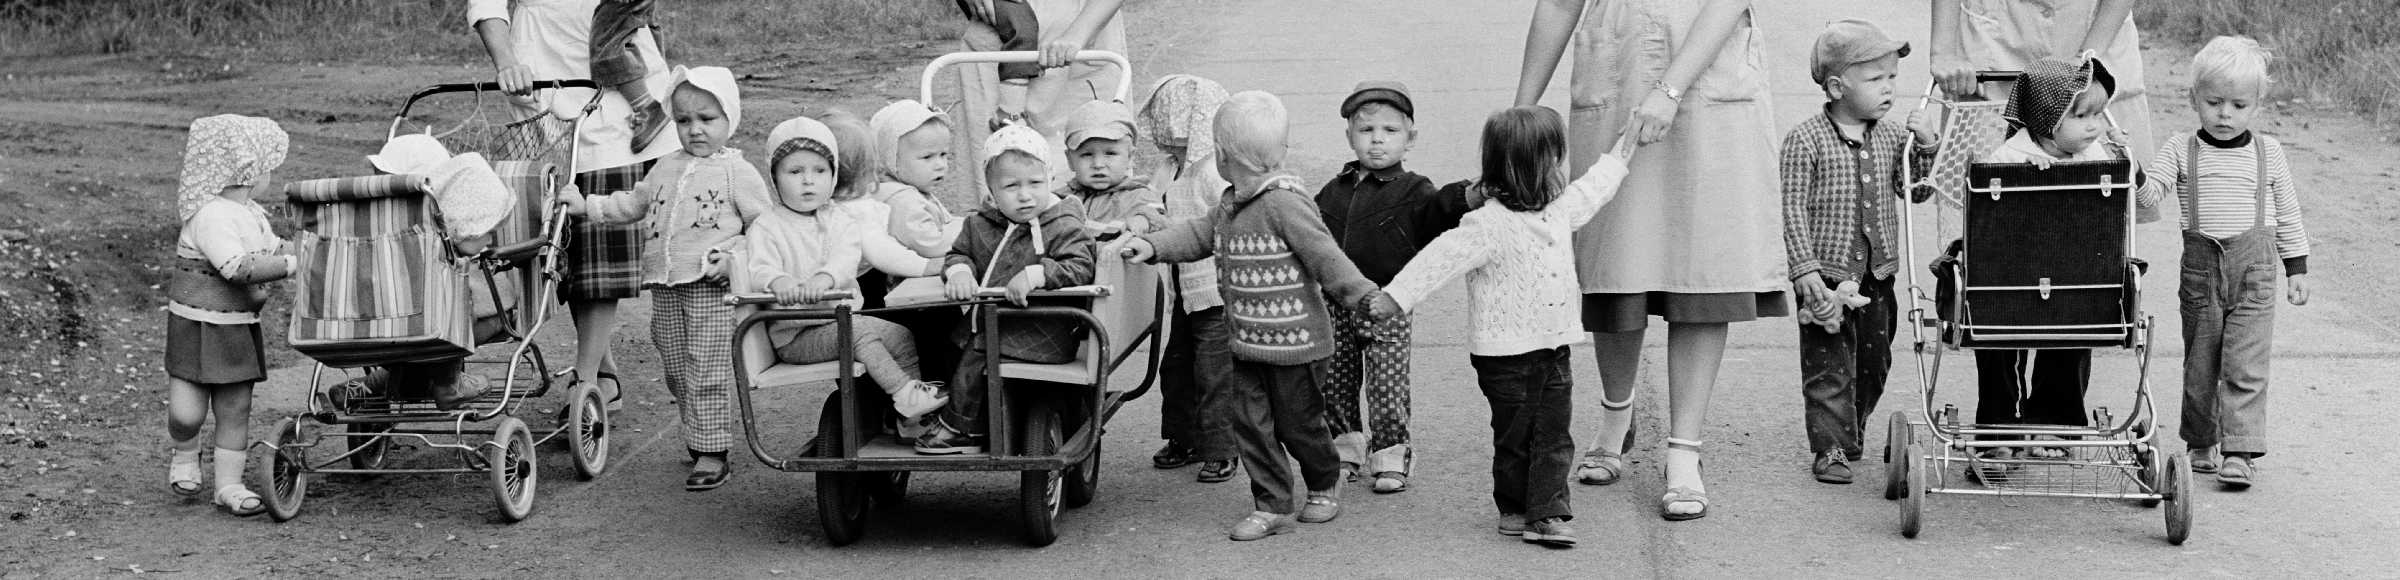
2045,262
1045,419
382,286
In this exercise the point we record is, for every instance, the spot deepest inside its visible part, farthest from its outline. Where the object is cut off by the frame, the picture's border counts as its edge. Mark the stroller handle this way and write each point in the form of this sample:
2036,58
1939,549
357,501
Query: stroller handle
765,298
925,84
447,88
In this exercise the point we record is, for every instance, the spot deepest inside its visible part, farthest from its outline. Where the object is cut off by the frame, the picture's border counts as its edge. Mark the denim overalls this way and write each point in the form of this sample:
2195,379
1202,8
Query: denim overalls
2228,296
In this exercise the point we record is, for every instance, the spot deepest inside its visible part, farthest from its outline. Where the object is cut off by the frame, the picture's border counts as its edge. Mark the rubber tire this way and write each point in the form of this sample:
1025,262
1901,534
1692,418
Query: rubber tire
1039,491
285,472
1083,484
2150,458
841,495
1895,464
2179,500
1912,505
378,450
515,471
888,489
587,430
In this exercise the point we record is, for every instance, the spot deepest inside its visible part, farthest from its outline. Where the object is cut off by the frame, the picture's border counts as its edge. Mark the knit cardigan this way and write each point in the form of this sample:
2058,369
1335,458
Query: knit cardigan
1520,267
1276,264
688,207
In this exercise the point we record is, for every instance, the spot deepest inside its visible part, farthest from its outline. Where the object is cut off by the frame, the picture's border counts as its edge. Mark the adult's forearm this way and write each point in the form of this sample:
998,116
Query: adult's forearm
1710,30
495,34
2107,19
1946,39
1545,44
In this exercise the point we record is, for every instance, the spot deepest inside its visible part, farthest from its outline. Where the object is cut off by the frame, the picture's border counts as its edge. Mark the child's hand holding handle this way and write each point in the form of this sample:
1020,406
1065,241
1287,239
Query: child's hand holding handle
958,283
1023,284
1921,124
791,292
1136,249
570,201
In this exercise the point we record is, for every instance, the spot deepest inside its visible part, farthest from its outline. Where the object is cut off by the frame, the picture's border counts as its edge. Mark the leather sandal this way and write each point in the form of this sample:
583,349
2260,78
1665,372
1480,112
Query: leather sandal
1680,494
707,479
1602,466
183,478
240,501
616,400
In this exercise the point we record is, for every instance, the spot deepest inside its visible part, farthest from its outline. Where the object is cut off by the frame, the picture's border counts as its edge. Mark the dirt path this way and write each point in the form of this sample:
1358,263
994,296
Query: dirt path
85,501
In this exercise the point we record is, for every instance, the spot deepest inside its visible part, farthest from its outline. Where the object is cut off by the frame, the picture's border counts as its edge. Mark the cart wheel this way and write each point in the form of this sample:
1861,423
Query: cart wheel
841,495
2147,459
1084,483
587,425
510,458
1912,504
1038,497
368,453
2178,490
888,488
285,472
1895,463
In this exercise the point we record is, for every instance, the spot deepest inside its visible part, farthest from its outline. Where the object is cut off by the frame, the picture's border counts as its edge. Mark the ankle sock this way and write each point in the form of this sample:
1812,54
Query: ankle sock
229,464
1683,468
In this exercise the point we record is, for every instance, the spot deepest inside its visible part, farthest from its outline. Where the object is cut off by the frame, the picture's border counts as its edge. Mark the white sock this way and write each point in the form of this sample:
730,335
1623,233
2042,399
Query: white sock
229,464
1615,425
1683,468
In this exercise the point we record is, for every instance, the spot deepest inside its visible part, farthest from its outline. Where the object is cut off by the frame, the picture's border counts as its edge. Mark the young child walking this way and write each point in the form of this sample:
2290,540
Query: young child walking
225,251
803,247
1278,267
1514,251
1180,119
2240,220
1100,138
692,208
1381,213
1841,177
1051,252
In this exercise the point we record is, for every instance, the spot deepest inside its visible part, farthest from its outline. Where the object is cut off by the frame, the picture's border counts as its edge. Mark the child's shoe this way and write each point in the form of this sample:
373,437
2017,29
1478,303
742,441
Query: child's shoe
943,440
1349,472
648,121
232,496
1321,508
1218,470
1511,524
1551,532
1832,467
1175,454
2237,472
183,472
1259,525
918,398
466,389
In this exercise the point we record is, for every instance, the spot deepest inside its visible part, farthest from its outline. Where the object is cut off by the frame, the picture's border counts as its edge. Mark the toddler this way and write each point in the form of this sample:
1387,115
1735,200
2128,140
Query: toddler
692,208
1051,252
905,229
1512,252
799,250
1100,153
1841,173
1277,267
2241,220
1381,213
914,143
223,255
1192,372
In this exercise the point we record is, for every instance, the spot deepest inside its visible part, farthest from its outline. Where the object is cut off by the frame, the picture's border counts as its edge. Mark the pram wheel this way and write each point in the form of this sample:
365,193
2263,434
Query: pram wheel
368,452
283,470
1895,464
587,422
2178,499
841,495
1084,483
888,488
2150,471
1038,497
1912,503
509,457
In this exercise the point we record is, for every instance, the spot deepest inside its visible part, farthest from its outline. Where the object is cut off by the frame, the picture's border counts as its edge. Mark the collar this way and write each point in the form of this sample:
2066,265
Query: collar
1384,175
2237,142
1868,130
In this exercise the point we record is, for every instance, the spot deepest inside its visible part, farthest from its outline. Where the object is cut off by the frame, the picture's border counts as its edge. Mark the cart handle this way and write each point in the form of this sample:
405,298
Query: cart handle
925,84
767,298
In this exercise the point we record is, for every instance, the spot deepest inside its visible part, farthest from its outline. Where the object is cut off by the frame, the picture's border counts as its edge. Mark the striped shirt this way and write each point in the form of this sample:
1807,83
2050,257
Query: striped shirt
2228,185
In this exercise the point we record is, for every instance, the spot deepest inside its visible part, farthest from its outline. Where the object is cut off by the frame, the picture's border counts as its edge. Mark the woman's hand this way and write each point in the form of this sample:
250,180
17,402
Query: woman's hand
1061,52
1956,76
1653,118
515,79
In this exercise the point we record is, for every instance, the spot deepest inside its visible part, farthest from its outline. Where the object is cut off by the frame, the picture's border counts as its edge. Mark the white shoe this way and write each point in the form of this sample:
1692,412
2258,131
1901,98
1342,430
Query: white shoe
918,398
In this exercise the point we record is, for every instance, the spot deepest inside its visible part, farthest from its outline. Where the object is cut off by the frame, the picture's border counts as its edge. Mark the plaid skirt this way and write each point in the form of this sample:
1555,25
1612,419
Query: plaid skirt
603,261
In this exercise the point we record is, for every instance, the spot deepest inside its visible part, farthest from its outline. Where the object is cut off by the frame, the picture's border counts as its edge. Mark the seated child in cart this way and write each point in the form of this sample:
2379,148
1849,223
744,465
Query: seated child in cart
2056,113
1281,266
2241,215
223,255
904,156
1023,240
799,251
692,206
1100,139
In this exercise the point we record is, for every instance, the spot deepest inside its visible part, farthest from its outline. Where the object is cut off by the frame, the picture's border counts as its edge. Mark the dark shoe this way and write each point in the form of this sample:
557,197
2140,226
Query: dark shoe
1832,467
1259,525
1174,455
1551,532
1218,471
942,440
459,393
706,477
648,121
1511,525
1321,508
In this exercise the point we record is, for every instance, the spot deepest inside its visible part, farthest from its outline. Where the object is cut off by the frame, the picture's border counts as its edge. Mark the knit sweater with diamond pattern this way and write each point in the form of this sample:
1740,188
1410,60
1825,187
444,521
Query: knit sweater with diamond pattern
1276,265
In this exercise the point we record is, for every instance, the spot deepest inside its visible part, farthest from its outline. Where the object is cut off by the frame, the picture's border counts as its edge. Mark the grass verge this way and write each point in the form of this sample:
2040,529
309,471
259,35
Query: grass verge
2337,50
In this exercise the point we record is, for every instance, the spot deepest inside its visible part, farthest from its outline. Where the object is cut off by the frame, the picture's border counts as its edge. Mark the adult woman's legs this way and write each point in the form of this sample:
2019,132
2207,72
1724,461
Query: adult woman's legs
595,332
1694,353
1619,355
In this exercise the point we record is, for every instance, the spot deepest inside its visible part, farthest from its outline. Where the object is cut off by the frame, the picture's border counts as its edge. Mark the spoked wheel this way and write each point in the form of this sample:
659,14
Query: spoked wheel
510,459
841,495
1895,461
368,452
285,472
1912,504
587,430
1040,494
2178,490
1083,478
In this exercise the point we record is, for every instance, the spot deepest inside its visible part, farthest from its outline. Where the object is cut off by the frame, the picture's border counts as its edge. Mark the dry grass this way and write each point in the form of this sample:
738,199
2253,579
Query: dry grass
2346,51
422,29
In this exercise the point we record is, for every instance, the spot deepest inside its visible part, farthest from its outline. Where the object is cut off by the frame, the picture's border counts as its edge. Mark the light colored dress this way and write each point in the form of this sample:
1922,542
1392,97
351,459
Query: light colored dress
1700,211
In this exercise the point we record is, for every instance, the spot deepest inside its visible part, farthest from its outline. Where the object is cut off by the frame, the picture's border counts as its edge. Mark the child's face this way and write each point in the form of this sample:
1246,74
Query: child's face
924,156
1101,164
2227,107
699,121
2084,124
1016,184
1864,91
1380,135
804,180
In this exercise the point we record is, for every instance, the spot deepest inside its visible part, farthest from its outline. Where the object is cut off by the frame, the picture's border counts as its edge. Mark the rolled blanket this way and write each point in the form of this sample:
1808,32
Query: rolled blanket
340,189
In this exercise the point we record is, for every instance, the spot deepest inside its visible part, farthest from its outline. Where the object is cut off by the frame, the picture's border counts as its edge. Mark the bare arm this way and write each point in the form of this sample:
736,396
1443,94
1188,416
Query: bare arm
2107,19
1710,30
1095,15
1949,59
1546,44
514,77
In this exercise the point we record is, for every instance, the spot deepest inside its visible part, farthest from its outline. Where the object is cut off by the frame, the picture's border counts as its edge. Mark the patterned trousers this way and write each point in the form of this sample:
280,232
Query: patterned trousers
1370,361
692,327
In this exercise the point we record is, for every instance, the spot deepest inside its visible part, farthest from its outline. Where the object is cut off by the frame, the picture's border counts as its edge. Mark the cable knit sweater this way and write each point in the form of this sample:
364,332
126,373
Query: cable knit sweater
1520,267
1276,262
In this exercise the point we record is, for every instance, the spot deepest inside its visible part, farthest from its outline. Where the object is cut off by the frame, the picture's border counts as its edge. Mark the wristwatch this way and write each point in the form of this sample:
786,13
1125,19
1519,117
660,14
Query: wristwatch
1671,93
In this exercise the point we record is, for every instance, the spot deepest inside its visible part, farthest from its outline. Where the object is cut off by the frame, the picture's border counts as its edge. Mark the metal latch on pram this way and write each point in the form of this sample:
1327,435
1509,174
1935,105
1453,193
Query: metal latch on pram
2045,288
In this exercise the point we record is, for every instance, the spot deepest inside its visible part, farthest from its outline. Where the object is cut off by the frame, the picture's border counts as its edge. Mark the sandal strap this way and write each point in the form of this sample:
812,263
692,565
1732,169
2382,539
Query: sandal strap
1685,443
1616,405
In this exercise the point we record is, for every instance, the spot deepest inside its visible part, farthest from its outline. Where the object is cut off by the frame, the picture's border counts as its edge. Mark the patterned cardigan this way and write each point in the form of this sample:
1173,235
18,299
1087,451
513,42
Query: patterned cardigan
1838,193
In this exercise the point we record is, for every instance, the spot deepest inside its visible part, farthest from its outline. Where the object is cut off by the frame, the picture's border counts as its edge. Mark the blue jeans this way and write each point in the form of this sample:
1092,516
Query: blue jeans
1533,407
